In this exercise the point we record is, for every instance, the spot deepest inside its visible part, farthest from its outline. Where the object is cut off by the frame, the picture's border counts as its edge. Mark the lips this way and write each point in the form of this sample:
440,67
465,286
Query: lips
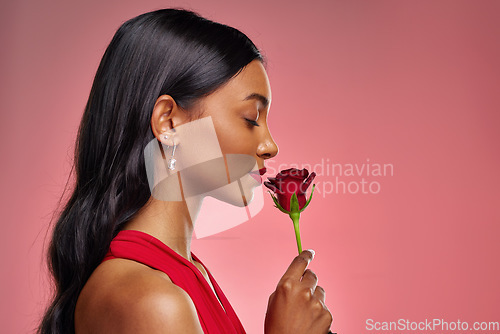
257,173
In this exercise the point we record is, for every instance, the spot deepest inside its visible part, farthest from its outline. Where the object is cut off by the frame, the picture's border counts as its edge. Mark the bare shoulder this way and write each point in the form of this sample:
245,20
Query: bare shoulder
124,296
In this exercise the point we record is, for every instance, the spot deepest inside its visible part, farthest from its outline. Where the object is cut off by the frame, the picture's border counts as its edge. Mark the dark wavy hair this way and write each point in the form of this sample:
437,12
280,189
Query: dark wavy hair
168,51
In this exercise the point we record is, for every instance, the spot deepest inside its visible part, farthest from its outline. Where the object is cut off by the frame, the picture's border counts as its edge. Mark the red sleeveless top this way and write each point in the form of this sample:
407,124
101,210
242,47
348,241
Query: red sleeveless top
146,249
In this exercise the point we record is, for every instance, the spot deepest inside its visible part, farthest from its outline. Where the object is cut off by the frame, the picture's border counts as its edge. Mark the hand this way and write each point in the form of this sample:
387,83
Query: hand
298,304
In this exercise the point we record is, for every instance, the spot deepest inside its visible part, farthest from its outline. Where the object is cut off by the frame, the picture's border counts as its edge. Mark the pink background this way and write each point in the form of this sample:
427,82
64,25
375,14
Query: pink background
414,84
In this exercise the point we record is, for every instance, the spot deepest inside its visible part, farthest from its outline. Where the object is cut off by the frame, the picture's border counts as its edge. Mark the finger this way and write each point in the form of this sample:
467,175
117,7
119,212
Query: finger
310,279
298,265
320,294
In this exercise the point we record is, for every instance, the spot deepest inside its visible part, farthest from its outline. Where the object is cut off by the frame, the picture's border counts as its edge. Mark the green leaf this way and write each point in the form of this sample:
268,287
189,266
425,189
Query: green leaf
294,203
310,197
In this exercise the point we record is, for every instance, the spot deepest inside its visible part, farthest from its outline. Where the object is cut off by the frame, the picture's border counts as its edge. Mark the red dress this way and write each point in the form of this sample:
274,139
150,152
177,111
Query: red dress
146,249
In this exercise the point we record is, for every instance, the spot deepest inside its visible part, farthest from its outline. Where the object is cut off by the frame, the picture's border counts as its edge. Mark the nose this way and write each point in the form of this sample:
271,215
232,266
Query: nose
267,148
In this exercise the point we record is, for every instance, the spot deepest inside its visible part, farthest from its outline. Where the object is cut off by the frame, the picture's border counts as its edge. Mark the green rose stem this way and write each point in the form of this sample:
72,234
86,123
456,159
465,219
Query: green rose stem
295,218
294,213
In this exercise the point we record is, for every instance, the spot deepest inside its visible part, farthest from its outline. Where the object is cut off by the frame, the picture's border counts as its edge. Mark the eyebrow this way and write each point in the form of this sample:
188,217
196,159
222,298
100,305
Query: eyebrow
255,96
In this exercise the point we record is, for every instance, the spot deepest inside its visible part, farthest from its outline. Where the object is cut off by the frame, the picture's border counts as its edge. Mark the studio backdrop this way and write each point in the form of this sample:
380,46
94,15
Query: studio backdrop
394,105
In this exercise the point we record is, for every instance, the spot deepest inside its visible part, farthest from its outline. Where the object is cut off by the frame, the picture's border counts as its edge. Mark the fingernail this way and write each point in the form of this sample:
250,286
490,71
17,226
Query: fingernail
312,252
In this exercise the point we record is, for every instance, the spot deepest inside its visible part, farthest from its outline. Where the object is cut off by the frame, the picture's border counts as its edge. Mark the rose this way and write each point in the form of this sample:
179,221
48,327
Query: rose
289,187
288,182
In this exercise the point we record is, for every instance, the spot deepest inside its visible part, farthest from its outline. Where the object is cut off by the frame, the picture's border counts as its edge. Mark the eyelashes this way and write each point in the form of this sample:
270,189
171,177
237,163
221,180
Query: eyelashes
252,122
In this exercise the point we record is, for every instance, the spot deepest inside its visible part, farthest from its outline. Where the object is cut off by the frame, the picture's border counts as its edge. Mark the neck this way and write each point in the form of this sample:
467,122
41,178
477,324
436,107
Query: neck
170,222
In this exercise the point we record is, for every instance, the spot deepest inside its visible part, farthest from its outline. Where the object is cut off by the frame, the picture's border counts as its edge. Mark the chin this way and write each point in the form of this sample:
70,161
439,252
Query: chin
233,193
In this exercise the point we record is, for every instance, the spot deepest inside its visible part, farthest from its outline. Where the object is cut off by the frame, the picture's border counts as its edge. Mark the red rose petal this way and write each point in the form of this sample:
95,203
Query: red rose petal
307,182
272,187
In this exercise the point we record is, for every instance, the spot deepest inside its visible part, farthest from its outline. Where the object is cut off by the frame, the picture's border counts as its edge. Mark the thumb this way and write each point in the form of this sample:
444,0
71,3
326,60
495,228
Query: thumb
310,251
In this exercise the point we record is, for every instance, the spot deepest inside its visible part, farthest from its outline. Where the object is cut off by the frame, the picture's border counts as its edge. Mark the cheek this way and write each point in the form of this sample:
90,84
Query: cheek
235,137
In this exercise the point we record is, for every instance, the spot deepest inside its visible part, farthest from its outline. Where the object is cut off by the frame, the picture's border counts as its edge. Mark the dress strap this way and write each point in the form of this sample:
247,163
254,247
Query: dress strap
144,248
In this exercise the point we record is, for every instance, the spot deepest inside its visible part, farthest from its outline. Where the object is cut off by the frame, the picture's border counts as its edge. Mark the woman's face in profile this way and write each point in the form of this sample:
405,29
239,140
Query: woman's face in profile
218,150
239,112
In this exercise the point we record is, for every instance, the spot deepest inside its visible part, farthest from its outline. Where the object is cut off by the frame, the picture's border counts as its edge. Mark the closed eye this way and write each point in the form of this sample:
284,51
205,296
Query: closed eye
252,122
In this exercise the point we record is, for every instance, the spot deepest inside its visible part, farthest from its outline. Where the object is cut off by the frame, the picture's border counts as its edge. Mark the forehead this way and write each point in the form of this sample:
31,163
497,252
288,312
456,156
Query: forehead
251,80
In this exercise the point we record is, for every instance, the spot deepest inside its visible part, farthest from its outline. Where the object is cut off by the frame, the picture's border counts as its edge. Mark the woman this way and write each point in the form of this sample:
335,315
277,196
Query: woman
163,70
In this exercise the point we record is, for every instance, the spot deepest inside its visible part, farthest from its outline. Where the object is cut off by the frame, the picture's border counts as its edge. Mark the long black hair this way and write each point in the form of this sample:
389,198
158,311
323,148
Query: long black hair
169,51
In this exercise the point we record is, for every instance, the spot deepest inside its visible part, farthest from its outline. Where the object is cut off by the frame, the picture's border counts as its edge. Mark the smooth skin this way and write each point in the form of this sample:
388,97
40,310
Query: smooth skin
124,296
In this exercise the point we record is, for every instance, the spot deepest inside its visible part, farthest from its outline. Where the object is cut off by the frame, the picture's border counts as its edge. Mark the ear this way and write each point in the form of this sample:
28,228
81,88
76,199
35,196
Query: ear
166,116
